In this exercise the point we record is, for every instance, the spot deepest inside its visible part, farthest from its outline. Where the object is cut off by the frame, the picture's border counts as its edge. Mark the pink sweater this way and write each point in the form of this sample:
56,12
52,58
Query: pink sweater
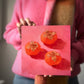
39,11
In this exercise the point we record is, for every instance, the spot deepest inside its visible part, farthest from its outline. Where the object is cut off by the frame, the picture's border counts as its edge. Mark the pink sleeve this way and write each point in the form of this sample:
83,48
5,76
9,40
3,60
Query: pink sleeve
11,34
78,45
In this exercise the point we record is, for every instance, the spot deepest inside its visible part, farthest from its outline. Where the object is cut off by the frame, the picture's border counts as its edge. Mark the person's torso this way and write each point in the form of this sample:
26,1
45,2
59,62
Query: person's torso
63,13
36,12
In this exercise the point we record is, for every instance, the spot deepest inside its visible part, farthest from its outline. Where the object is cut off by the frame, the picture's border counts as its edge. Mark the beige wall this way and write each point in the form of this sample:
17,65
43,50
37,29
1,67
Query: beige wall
0,18
10,5
8,53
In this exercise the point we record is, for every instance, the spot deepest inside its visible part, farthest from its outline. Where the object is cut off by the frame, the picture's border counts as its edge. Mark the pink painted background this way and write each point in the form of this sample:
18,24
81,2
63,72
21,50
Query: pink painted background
37,65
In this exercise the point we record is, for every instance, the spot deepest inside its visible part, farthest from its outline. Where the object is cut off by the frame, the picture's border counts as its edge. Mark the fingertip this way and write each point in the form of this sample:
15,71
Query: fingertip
50,75
45,75
34,24
71,69
21,19
18,24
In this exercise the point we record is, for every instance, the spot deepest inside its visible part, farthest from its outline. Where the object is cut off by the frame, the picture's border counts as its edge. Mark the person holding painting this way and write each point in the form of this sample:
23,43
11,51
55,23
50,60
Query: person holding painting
47,12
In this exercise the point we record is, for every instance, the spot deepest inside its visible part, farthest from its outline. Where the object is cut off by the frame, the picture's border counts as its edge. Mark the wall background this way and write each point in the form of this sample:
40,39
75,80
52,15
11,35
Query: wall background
8,53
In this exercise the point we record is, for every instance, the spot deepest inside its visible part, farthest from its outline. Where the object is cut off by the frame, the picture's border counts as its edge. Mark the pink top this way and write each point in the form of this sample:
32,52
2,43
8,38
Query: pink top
37,10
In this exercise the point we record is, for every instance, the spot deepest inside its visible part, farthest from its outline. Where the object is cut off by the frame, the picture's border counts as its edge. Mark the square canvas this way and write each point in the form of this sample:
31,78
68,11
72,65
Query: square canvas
36,64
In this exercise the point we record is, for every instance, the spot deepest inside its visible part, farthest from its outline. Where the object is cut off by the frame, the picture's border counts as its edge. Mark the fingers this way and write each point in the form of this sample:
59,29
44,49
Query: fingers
50,75
19,28
47,75
33,24
40,79
25,22
22,21
29,23
18,24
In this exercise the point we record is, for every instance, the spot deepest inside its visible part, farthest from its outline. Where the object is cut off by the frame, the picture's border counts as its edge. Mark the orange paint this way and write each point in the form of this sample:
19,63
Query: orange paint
49,37
52,58
32,48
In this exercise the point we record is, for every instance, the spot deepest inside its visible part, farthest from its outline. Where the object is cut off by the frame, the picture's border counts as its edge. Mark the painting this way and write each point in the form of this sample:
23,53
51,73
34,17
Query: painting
46,50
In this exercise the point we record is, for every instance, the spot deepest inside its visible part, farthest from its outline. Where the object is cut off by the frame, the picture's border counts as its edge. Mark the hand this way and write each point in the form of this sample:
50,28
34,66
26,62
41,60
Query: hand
47,75
25,22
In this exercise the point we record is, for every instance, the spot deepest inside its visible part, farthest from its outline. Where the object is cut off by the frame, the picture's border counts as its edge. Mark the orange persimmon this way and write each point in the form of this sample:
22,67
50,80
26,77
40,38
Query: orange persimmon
32,48
52,58
48,37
